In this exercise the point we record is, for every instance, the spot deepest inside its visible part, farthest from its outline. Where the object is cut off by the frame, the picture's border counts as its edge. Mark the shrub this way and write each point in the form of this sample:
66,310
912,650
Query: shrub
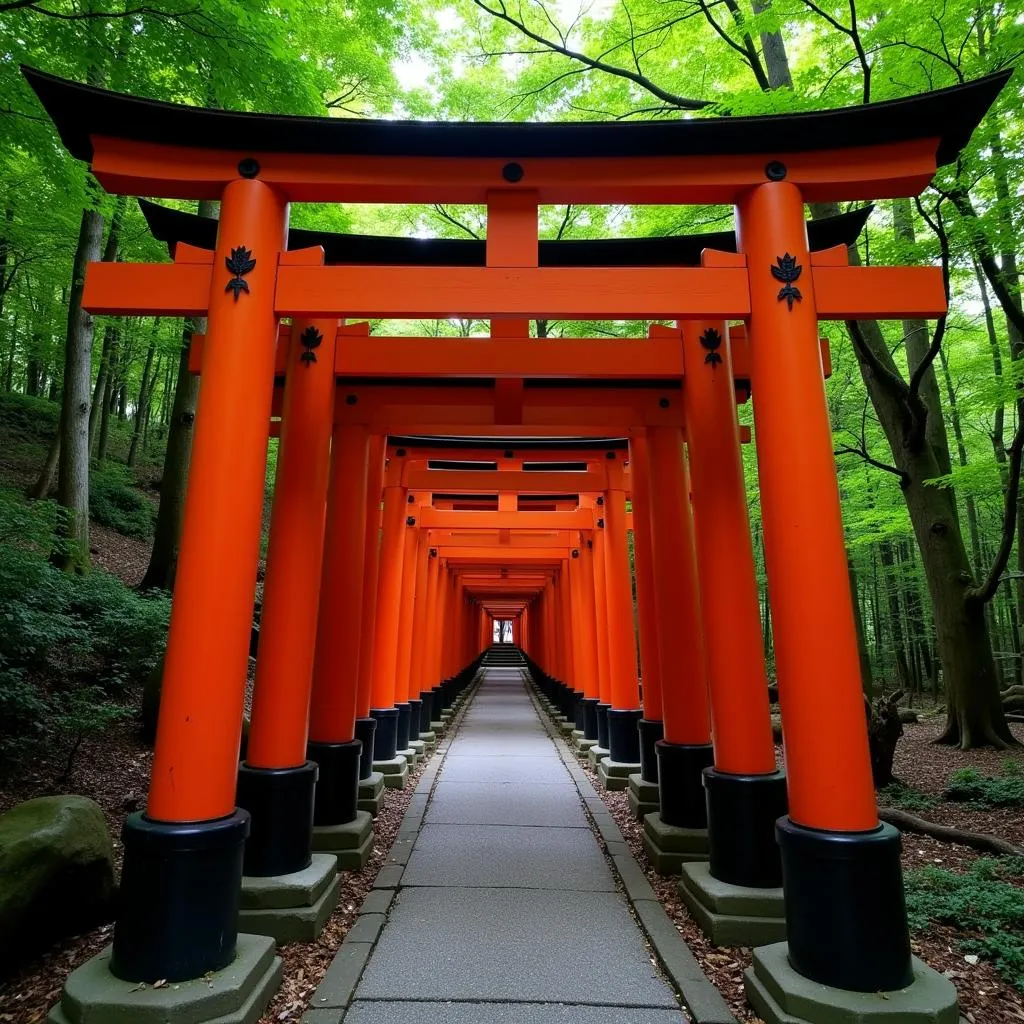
27,418
968,784
114,502
980,901
69,647
896,794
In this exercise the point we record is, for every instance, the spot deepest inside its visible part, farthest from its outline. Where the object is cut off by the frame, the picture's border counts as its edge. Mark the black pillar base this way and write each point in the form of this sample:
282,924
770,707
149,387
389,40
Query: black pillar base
415,717
280,804
681,784
385,740
337,791
846,920
402,734
578,712
623,735
366,729
438,692
426,710
590,718
602,725
178,903
742,810
651,731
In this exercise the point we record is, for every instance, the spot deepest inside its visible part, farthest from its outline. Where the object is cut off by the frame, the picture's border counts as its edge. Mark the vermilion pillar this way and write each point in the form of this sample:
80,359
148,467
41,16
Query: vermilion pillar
589,621
650,726
424,663
686,749
839,864
172,885
333,741
745,793
276,782
406,613
625,713
600,551
389,595
366,726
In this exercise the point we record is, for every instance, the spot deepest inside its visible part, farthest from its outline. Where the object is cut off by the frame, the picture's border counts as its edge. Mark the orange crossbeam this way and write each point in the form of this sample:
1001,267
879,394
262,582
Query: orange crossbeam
486,481
436,519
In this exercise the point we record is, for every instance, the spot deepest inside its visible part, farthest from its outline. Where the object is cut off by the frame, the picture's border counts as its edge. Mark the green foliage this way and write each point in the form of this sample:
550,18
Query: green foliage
906,797
70,646
25,418
114,502
968,784
980,901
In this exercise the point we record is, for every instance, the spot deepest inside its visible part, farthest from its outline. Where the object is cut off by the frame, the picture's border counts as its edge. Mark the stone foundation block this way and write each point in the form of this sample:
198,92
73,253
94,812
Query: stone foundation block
643,796
781,996
238,994
615,775
351,843
582,745
371,793
732,915
429,740
565,726
439,729
594,755
295,924
395,771
668,847
298,889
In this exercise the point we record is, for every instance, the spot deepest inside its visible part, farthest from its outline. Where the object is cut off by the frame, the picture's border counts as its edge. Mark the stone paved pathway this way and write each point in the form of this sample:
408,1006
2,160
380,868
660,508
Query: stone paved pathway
507,912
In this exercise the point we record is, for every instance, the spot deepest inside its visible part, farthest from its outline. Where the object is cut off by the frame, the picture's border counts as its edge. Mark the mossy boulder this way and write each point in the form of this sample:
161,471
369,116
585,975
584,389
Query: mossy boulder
56,871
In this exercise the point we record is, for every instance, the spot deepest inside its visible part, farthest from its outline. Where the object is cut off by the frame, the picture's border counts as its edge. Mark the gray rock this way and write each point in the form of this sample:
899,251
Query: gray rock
56,871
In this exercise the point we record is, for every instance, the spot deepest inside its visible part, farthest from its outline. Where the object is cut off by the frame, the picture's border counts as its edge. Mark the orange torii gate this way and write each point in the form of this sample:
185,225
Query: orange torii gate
845,921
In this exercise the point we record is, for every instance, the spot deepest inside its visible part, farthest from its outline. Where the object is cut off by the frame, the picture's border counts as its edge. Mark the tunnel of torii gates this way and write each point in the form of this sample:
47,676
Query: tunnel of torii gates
427,485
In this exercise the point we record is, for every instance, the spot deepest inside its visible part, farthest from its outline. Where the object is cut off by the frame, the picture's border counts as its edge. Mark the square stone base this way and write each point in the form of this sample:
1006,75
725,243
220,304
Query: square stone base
238,994
583,745
781,996
371,793
732,915
594,755
418,747
615,775
643,796
295,924
439,729
395,771
351,843
298,889
410,755
429,741
565,726
669,847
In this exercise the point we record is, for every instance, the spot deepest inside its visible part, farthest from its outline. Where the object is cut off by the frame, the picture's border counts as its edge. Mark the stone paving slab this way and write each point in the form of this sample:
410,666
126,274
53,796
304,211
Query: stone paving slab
512,945
537,771
389,1011
517,803
507,856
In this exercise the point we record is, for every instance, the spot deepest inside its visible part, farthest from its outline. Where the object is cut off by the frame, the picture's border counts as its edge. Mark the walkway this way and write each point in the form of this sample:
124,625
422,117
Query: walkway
507,911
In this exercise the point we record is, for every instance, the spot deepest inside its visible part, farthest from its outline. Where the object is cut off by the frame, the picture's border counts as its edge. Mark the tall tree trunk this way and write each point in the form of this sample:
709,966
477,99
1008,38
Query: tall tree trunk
163,561
99,392
867,679
892,596
773,48
145,386
11,352
73,477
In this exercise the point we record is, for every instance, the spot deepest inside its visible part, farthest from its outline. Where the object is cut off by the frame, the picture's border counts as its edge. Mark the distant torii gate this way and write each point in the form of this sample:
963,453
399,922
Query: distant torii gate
843,893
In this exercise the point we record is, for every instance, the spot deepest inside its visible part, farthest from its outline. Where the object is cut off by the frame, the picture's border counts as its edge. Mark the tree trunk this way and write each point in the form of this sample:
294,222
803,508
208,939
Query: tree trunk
892,595
9,368
163,561
773,49
145,387
73,477
867,680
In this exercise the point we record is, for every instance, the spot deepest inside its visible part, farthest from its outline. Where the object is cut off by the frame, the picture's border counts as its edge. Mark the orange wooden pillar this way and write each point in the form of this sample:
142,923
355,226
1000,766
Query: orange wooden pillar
744,792
334,743
834,851
600,552
625,712
389,594
686,749
179,905
275,782
426,677
418,640
589,621
651,727
366,725
406,614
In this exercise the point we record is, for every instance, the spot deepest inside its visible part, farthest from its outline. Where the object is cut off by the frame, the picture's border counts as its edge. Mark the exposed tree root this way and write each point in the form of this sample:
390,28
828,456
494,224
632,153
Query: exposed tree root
983,841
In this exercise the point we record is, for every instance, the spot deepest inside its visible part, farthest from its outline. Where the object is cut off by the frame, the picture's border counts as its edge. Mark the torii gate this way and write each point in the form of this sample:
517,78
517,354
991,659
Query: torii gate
845,918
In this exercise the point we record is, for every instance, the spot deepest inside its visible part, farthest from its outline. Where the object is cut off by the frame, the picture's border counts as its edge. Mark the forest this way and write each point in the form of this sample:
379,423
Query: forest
97,413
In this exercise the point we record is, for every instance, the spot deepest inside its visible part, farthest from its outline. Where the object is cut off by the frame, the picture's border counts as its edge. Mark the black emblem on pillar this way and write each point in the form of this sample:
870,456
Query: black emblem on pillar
240,262
311,339
710,340
787,271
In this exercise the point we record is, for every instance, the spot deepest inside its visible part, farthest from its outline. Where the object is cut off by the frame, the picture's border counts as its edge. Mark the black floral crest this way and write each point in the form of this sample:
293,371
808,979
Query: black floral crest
310,339
787,271
240,262
711,340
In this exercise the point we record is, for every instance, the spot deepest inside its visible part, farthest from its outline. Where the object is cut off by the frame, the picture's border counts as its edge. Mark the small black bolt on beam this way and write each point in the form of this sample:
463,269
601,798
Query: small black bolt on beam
248,167
600,499
351,399
663,403
410,521
775,170
400,453
513,172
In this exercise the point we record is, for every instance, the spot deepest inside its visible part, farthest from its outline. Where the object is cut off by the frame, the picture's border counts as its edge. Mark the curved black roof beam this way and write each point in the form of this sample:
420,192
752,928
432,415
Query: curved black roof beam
80,111
173,226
